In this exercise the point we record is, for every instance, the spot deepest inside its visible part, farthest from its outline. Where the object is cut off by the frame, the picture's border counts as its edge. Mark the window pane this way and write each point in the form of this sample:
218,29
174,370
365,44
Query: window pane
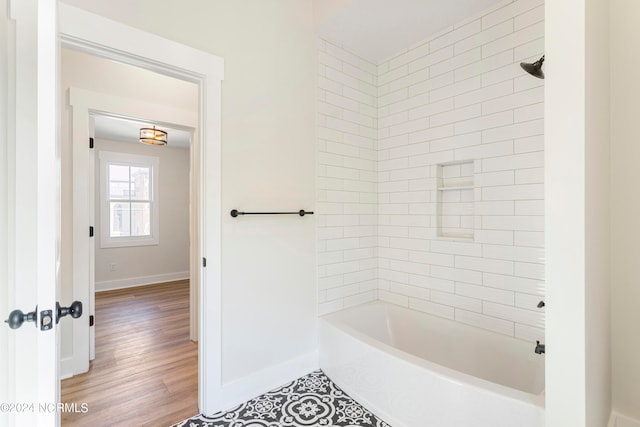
140,184
119,216
119,182
140,219
129,199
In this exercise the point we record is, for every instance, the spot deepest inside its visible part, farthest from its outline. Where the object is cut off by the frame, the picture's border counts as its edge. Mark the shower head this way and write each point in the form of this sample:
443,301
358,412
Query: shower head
535,69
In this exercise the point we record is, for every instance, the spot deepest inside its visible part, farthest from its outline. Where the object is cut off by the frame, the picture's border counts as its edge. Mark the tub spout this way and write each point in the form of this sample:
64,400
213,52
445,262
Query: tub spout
539,348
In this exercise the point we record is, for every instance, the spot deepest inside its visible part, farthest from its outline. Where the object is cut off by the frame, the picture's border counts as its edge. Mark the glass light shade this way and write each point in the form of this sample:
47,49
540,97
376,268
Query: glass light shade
153,136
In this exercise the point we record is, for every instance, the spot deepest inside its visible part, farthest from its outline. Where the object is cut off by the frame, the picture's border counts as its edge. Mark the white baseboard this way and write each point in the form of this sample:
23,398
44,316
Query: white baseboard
257,383
618,420
140,281
612,420
66,368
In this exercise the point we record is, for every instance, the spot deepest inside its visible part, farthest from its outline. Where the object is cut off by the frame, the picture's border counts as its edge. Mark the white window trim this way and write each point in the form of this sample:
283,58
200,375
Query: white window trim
106,241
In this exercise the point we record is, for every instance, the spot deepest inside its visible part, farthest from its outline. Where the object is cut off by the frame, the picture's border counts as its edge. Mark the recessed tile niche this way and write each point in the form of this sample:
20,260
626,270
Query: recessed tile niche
455,199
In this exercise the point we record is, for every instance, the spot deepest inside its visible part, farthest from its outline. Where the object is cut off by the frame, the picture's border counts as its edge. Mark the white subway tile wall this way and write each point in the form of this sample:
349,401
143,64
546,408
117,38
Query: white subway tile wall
347,179
458,98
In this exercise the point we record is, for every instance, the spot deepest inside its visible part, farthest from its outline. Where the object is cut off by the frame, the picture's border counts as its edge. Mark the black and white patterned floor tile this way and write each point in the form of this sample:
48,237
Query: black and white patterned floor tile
311,401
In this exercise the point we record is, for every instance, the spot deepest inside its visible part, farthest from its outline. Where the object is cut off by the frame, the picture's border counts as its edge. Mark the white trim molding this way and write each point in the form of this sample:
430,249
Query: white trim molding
111,285
619,420
243,389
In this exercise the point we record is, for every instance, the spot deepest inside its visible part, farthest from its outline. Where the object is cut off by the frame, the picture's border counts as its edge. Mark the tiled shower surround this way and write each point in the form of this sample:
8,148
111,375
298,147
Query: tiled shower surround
431,191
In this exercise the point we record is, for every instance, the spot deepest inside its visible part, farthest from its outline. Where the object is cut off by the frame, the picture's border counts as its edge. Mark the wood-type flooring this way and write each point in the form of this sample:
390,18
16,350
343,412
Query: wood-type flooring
145,372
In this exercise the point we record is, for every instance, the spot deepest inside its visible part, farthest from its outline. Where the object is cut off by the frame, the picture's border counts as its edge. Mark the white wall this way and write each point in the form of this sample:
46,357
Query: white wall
460,95
565,240
598,271
347,187
268,137
578,377
625,205
106,76
169,260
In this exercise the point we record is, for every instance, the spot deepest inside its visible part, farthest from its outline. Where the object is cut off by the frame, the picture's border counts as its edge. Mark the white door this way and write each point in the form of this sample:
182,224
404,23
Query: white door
29,221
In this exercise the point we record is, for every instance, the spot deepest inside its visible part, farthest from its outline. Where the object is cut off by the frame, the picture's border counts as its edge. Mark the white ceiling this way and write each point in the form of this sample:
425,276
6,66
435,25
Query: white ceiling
373,29
377,29
127,130
102,75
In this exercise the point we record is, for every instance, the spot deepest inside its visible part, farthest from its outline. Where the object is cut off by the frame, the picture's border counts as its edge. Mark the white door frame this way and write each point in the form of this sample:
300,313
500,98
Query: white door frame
102,37
32,206
5,305
83,103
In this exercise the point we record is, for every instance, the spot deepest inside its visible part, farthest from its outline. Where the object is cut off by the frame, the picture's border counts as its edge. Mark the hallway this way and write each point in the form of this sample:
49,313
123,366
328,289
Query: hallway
146,369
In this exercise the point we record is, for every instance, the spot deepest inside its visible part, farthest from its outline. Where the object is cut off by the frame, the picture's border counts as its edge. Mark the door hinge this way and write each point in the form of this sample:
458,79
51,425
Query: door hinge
91,231
91,322
90,142
204,262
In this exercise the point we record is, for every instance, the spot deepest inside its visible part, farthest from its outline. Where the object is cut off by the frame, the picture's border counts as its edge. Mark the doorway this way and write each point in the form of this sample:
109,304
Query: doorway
134,47
38,33
119,255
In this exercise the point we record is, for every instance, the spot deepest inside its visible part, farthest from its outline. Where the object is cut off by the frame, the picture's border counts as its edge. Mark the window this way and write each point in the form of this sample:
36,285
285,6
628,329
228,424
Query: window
128,200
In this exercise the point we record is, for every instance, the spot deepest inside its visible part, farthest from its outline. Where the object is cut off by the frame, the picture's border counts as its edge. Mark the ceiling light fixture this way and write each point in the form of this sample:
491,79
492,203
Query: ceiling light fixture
153,136
535,69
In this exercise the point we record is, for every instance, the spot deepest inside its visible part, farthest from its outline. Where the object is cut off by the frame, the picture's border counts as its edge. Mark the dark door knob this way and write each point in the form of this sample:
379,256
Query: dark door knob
17,318
74,310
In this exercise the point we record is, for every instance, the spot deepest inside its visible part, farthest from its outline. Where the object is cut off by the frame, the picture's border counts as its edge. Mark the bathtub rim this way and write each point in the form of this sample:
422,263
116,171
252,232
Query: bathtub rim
444,372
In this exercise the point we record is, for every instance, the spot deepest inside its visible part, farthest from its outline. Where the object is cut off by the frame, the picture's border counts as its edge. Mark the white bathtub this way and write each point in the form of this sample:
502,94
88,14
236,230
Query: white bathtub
416,370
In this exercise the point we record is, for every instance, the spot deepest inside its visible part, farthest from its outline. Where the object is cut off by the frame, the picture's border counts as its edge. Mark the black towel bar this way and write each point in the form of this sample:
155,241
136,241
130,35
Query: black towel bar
301,212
